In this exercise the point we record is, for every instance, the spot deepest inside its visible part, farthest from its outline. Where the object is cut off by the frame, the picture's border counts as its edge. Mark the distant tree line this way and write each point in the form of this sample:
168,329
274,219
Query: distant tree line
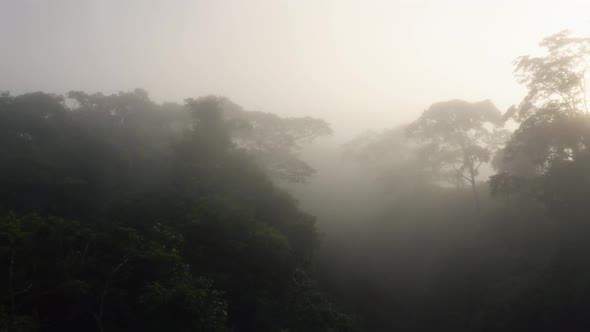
514,256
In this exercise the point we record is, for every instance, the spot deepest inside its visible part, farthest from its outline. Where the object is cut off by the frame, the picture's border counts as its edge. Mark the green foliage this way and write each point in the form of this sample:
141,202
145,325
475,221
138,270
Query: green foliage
120,214
70,276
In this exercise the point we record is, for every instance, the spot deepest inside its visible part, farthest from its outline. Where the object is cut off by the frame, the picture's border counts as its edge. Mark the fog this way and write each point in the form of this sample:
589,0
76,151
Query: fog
270,165
357,64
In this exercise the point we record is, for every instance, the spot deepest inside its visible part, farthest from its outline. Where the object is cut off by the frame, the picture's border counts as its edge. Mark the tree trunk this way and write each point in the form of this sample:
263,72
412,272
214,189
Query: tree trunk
98,317
474,188
11,294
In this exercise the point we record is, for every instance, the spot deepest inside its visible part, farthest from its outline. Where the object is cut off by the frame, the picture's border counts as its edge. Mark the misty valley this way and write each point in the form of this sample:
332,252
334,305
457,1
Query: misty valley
123,212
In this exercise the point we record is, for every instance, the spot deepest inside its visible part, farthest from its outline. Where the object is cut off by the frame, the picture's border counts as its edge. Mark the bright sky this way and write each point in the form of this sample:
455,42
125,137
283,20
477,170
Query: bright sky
358,63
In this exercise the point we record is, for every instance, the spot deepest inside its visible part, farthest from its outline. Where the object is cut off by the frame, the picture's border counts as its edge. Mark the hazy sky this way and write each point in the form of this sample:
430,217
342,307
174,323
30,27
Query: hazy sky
359,64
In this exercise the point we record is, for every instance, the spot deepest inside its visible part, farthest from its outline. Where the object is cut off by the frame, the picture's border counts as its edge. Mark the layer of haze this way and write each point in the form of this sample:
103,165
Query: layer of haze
358,64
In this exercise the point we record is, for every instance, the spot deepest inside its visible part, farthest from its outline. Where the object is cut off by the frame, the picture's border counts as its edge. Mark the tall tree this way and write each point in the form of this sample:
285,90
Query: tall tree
550,147
556,81
553,116
459,136
274,141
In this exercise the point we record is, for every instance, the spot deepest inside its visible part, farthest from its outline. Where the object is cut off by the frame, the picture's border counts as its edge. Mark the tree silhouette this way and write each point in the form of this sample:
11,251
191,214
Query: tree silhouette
459,136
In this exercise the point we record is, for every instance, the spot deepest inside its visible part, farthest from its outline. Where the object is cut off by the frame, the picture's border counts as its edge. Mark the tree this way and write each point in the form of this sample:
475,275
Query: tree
177,227
556,81
398,165
459,136
550,147
553,116
274,141
65,276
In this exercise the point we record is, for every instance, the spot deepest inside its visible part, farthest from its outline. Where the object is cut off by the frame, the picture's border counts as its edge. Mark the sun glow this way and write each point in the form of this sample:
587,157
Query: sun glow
580,27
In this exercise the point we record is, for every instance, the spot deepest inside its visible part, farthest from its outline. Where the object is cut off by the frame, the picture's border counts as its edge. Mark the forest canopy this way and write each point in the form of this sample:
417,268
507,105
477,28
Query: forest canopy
121,214
483,217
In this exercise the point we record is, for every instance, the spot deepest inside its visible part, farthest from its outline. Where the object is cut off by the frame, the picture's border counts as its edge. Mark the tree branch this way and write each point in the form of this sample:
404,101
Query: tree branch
98,316
461,173
480,163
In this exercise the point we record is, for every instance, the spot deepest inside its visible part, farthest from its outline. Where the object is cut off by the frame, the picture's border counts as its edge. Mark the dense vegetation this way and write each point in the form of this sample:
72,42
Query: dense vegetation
443,250
438,248
120,214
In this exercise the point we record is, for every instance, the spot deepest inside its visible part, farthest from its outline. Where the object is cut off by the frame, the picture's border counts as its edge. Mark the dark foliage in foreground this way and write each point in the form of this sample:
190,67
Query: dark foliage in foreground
120,214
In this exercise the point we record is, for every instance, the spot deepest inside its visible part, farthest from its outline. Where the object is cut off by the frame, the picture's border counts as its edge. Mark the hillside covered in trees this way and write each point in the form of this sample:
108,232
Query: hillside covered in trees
121,213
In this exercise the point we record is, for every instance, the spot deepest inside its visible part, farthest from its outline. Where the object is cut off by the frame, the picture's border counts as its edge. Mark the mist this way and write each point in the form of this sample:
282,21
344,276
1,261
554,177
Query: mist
408,165
360,65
